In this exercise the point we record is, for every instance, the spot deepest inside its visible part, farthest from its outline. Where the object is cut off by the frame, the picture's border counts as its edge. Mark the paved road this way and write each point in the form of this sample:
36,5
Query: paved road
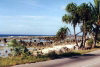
88,60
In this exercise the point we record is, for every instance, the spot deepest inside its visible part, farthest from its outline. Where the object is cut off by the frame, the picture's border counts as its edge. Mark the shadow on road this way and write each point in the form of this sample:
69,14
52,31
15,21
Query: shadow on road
74,59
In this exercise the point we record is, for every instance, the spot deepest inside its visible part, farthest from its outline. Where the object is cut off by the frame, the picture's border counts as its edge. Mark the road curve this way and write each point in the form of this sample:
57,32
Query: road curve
91,59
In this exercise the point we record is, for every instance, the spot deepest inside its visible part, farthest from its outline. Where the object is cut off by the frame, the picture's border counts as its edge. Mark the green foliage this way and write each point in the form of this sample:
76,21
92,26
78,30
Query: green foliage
96,2
18,49
72,17
21,50
10,61
84,11
61,34
90,42
88,27
67,18
71,8
86,14
13,43
97,5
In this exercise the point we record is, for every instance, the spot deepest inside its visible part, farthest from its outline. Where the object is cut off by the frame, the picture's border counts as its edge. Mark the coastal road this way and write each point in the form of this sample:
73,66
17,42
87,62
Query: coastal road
91,59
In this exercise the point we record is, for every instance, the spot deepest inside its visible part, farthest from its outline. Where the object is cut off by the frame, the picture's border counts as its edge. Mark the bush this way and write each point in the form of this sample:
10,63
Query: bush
13,43
18,49
90,42
21,50
70,54
52,55
62,32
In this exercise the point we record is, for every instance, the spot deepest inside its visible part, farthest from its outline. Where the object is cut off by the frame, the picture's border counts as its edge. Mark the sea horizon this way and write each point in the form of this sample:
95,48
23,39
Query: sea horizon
3,35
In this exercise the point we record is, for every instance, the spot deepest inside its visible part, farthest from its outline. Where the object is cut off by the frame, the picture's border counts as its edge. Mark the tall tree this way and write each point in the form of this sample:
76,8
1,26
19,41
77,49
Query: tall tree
72,17
96,20
84,11
97,24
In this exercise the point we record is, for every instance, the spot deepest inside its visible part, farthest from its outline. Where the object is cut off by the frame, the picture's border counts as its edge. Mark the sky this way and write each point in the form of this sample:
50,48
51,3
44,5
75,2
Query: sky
38,17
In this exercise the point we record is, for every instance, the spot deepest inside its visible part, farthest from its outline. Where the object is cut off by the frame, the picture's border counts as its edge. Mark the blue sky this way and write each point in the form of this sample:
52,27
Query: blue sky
33,16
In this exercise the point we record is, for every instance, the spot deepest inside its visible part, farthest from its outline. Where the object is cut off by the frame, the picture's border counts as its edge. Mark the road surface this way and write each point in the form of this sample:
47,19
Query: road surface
91,59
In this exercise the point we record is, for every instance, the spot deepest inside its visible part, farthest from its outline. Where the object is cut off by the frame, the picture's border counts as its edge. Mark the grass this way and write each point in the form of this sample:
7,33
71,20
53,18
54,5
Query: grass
10,61
85,51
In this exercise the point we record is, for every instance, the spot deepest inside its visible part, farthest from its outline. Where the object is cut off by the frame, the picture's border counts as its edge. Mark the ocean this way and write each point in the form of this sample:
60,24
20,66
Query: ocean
6,35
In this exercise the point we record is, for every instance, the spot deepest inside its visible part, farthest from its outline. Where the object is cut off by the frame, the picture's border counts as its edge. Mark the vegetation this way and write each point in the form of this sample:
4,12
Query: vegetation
61,34
10,61
18,49
90,42
72,18
15,60
87,15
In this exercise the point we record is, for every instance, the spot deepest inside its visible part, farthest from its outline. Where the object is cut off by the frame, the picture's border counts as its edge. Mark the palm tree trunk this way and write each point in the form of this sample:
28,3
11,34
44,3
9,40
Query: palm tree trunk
84,40
94,42
95,37
81,46
84,34
75,36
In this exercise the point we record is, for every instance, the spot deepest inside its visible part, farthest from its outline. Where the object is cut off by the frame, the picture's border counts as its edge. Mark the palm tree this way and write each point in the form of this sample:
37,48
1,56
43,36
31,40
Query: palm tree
92,24
72,18
62,32
97,24
88,15
96,20
84,11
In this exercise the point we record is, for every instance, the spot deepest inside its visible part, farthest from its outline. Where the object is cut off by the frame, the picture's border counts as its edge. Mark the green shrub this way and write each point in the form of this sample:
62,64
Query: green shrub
90,42
18,49
13,43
